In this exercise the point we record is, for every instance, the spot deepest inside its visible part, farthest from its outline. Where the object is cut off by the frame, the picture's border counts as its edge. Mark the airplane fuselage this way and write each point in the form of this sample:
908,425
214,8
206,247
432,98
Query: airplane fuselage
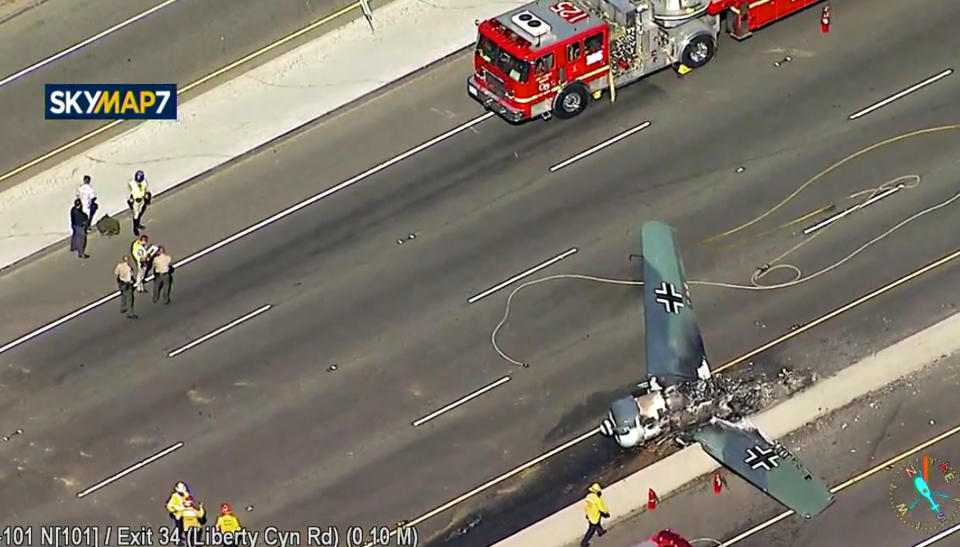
635,420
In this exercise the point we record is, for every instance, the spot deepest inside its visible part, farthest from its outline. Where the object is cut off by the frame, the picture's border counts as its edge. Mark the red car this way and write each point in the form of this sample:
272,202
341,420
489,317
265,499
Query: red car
665,538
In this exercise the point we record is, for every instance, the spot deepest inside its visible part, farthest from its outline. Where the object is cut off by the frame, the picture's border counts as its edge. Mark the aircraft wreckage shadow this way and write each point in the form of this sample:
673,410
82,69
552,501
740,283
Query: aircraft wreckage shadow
561,481
585,414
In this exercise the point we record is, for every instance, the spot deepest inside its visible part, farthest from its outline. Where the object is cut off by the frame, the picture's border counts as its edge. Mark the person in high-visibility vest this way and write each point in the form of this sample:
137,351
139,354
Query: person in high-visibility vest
193,518
141,252
596,509
138,200
227,522
175,504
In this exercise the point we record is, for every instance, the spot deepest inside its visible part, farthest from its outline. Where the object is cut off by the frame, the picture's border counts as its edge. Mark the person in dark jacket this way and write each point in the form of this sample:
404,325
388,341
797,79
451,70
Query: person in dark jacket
79,222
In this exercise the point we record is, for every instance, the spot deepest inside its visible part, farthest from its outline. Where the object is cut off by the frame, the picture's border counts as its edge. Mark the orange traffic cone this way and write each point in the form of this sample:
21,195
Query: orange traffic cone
825,20
717,483
652,499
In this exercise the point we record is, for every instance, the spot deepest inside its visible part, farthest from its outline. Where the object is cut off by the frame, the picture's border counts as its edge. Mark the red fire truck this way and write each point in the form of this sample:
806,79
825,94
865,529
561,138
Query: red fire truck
549,57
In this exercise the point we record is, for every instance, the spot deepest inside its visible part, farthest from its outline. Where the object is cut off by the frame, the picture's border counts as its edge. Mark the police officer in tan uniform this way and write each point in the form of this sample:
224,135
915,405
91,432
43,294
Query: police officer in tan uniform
125,282
162,275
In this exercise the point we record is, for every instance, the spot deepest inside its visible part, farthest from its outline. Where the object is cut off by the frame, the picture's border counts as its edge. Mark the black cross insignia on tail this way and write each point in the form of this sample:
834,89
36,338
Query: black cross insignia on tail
668,296
758,457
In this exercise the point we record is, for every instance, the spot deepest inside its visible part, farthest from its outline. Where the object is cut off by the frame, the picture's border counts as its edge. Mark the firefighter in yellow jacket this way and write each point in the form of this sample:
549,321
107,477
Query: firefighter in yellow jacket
143,254
596,509
193,519
228,522
175,504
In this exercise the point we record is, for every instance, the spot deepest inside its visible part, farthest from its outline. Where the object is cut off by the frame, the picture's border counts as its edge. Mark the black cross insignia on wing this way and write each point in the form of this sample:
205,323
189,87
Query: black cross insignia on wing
758,456
668,296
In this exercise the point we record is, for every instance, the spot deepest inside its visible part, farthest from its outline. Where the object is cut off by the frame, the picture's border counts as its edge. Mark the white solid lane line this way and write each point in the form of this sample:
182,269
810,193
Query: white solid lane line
600,146
900,95
263,223
935,538
461,400
131,469
40,64
343,185
221,330
521,275
830,220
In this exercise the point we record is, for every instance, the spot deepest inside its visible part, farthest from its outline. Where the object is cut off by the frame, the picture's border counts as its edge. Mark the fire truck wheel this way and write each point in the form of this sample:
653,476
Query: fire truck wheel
699,51
571,101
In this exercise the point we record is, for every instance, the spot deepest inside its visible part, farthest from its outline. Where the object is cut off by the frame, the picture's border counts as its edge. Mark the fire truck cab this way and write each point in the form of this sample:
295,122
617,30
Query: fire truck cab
549,57
541,59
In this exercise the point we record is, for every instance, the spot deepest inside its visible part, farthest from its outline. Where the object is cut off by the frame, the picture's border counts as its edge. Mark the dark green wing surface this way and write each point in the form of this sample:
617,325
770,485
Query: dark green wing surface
767,465
674,345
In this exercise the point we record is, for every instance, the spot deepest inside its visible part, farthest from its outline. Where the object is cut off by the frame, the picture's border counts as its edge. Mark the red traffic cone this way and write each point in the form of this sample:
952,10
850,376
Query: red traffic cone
825,20
717,483
652,499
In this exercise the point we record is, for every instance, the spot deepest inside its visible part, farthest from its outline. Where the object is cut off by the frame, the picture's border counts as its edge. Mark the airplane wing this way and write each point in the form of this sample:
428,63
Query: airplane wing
674,346
767,465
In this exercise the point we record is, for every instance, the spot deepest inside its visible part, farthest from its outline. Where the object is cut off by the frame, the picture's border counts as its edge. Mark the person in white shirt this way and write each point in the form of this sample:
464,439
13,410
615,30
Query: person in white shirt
88,200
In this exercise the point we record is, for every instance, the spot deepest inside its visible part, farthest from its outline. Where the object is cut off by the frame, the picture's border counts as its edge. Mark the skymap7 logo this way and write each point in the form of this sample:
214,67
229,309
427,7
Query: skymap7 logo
110,101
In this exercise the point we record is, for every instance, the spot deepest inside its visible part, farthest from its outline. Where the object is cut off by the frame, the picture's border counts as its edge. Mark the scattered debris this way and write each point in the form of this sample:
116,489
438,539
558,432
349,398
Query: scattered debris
783,61
740,169
249,508
6,438
465,529
332,367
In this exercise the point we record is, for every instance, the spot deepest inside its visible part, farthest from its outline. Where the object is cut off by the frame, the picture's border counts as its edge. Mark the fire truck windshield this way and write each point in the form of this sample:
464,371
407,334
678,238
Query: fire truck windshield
514,68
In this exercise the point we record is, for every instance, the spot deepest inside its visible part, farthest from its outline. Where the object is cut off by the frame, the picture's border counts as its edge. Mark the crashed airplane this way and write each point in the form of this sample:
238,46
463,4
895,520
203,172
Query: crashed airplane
681,398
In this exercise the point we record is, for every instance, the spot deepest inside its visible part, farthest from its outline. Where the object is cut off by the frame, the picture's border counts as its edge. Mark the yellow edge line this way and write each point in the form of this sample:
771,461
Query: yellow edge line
850,482
842,309
231,66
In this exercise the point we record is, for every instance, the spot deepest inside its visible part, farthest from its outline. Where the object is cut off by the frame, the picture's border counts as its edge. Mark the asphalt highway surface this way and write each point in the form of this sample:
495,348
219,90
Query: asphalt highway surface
179,43
304,412
856,439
